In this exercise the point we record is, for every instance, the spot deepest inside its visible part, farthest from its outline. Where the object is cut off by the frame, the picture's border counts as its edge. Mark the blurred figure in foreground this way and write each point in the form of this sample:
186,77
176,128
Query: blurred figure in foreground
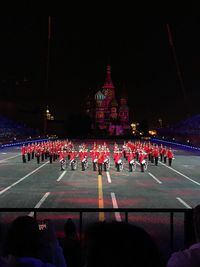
120,244
71,244
189,257
24,246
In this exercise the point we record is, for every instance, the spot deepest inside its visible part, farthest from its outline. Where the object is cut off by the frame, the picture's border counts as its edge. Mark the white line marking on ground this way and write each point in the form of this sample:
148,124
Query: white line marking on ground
115,206
3,153
40,203
108,176
7,188
61,176
157,180
180,173
183,202
2,160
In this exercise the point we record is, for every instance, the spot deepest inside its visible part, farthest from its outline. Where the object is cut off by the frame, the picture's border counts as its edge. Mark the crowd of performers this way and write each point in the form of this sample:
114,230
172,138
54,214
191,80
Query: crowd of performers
131,152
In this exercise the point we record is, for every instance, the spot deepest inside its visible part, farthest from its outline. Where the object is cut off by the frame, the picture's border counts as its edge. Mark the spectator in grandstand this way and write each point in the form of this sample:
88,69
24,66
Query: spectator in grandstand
71,244
189,257
120,244
23,247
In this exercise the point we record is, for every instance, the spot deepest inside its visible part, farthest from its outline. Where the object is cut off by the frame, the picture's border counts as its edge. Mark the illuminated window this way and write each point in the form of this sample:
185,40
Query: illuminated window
100,115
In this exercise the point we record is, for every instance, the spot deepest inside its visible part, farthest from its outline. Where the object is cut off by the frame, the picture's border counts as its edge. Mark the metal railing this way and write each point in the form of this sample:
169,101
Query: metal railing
188,220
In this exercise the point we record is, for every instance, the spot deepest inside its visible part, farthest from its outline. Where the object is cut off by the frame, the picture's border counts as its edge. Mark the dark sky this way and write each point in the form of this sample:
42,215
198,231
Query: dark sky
138,50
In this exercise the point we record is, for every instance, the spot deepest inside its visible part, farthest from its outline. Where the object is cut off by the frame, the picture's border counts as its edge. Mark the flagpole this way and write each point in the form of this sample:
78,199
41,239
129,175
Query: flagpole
47,74
48,53
171,42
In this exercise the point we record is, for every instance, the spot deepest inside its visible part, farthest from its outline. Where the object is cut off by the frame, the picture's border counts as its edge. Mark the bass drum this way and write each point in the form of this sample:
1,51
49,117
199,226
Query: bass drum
144,163
121,166
107,165
62,165
73,165
133,165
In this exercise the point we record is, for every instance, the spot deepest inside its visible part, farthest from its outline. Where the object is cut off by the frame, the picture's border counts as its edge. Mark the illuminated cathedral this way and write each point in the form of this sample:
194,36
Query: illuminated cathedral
107,114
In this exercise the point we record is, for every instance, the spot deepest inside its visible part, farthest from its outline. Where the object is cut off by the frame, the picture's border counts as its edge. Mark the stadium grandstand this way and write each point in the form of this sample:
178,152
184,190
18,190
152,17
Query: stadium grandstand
11,131
185,131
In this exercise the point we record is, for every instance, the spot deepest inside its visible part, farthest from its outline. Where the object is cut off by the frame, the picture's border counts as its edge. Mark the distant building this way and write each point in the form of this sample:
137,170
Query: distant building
107,113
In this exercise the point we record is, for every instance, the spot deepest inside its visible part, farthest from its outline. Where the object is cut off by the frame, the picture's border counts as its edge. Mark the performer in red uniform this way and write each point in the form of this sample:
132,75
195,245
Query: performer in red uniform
164,154
118,160
94,154
170,156
28,149
32,151
160,152
106,162
83,158
72,159
72,155
100,162
130,157
142,157
23,150
125,150
62,160
50,154
37,153
156,155
42,152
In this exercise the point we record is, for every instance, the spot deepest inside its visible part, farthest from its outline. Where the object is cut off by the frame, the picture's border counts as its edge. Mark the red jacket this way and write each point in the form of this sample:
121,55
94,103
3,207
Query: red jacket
130,157
72,155
101,158
23,150
61,155
82,155
117,157
170,154
142,156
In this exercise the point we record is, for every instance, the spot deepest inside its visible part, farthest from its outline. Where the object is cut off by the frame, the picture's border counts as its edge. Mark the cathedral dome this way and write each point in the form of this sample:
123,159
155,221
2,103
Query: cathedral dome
99,96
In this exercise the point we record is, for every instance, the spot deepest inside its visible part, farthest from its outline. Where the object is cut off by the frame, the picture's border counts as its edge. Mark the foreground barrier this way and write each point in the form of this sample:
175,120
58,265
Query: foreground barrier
187,215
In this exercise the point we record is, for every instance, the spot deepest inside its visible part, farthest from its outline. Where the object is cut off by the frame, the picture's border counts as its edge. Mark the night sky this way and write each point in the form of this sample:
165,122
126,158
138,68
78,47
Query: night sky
138,50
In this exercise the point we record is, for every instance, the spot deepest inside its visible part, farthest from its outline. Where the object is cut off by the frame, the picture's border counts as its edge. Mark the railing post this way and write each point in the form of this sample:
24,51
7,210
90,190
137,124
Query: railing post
126,216
171,231
35,214
189,235
81,234
81,225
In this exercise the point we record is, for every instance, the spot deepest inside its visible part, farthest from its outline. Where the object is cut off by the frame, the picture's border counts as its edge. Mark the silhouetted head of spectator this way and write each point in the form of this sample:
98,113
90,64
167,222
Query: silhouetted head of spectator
120,244
70,228
23,239
196,222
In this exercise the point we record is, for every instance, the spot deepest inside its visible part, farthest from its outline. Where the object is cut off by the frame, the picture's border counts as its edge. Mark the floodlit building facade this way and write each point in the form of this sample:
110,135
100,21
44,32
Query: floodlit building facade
108,114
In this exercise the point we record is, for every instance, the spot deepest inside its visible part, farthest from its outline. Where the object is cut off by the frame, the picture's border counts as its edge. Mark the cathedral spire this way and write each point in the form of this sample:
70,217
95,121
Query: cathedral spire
108,87
108,82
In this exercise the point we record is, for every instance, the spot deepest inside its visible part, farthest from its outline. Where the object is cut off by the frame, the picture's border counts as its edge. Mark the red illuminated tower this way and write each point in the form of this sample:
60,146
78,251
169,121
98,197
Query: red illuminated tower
108,87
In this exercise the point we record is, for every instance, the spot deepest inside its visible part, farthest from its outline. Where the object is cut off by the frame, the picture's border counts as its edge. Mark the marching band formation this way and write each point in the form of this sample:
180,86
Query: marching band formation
131,153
